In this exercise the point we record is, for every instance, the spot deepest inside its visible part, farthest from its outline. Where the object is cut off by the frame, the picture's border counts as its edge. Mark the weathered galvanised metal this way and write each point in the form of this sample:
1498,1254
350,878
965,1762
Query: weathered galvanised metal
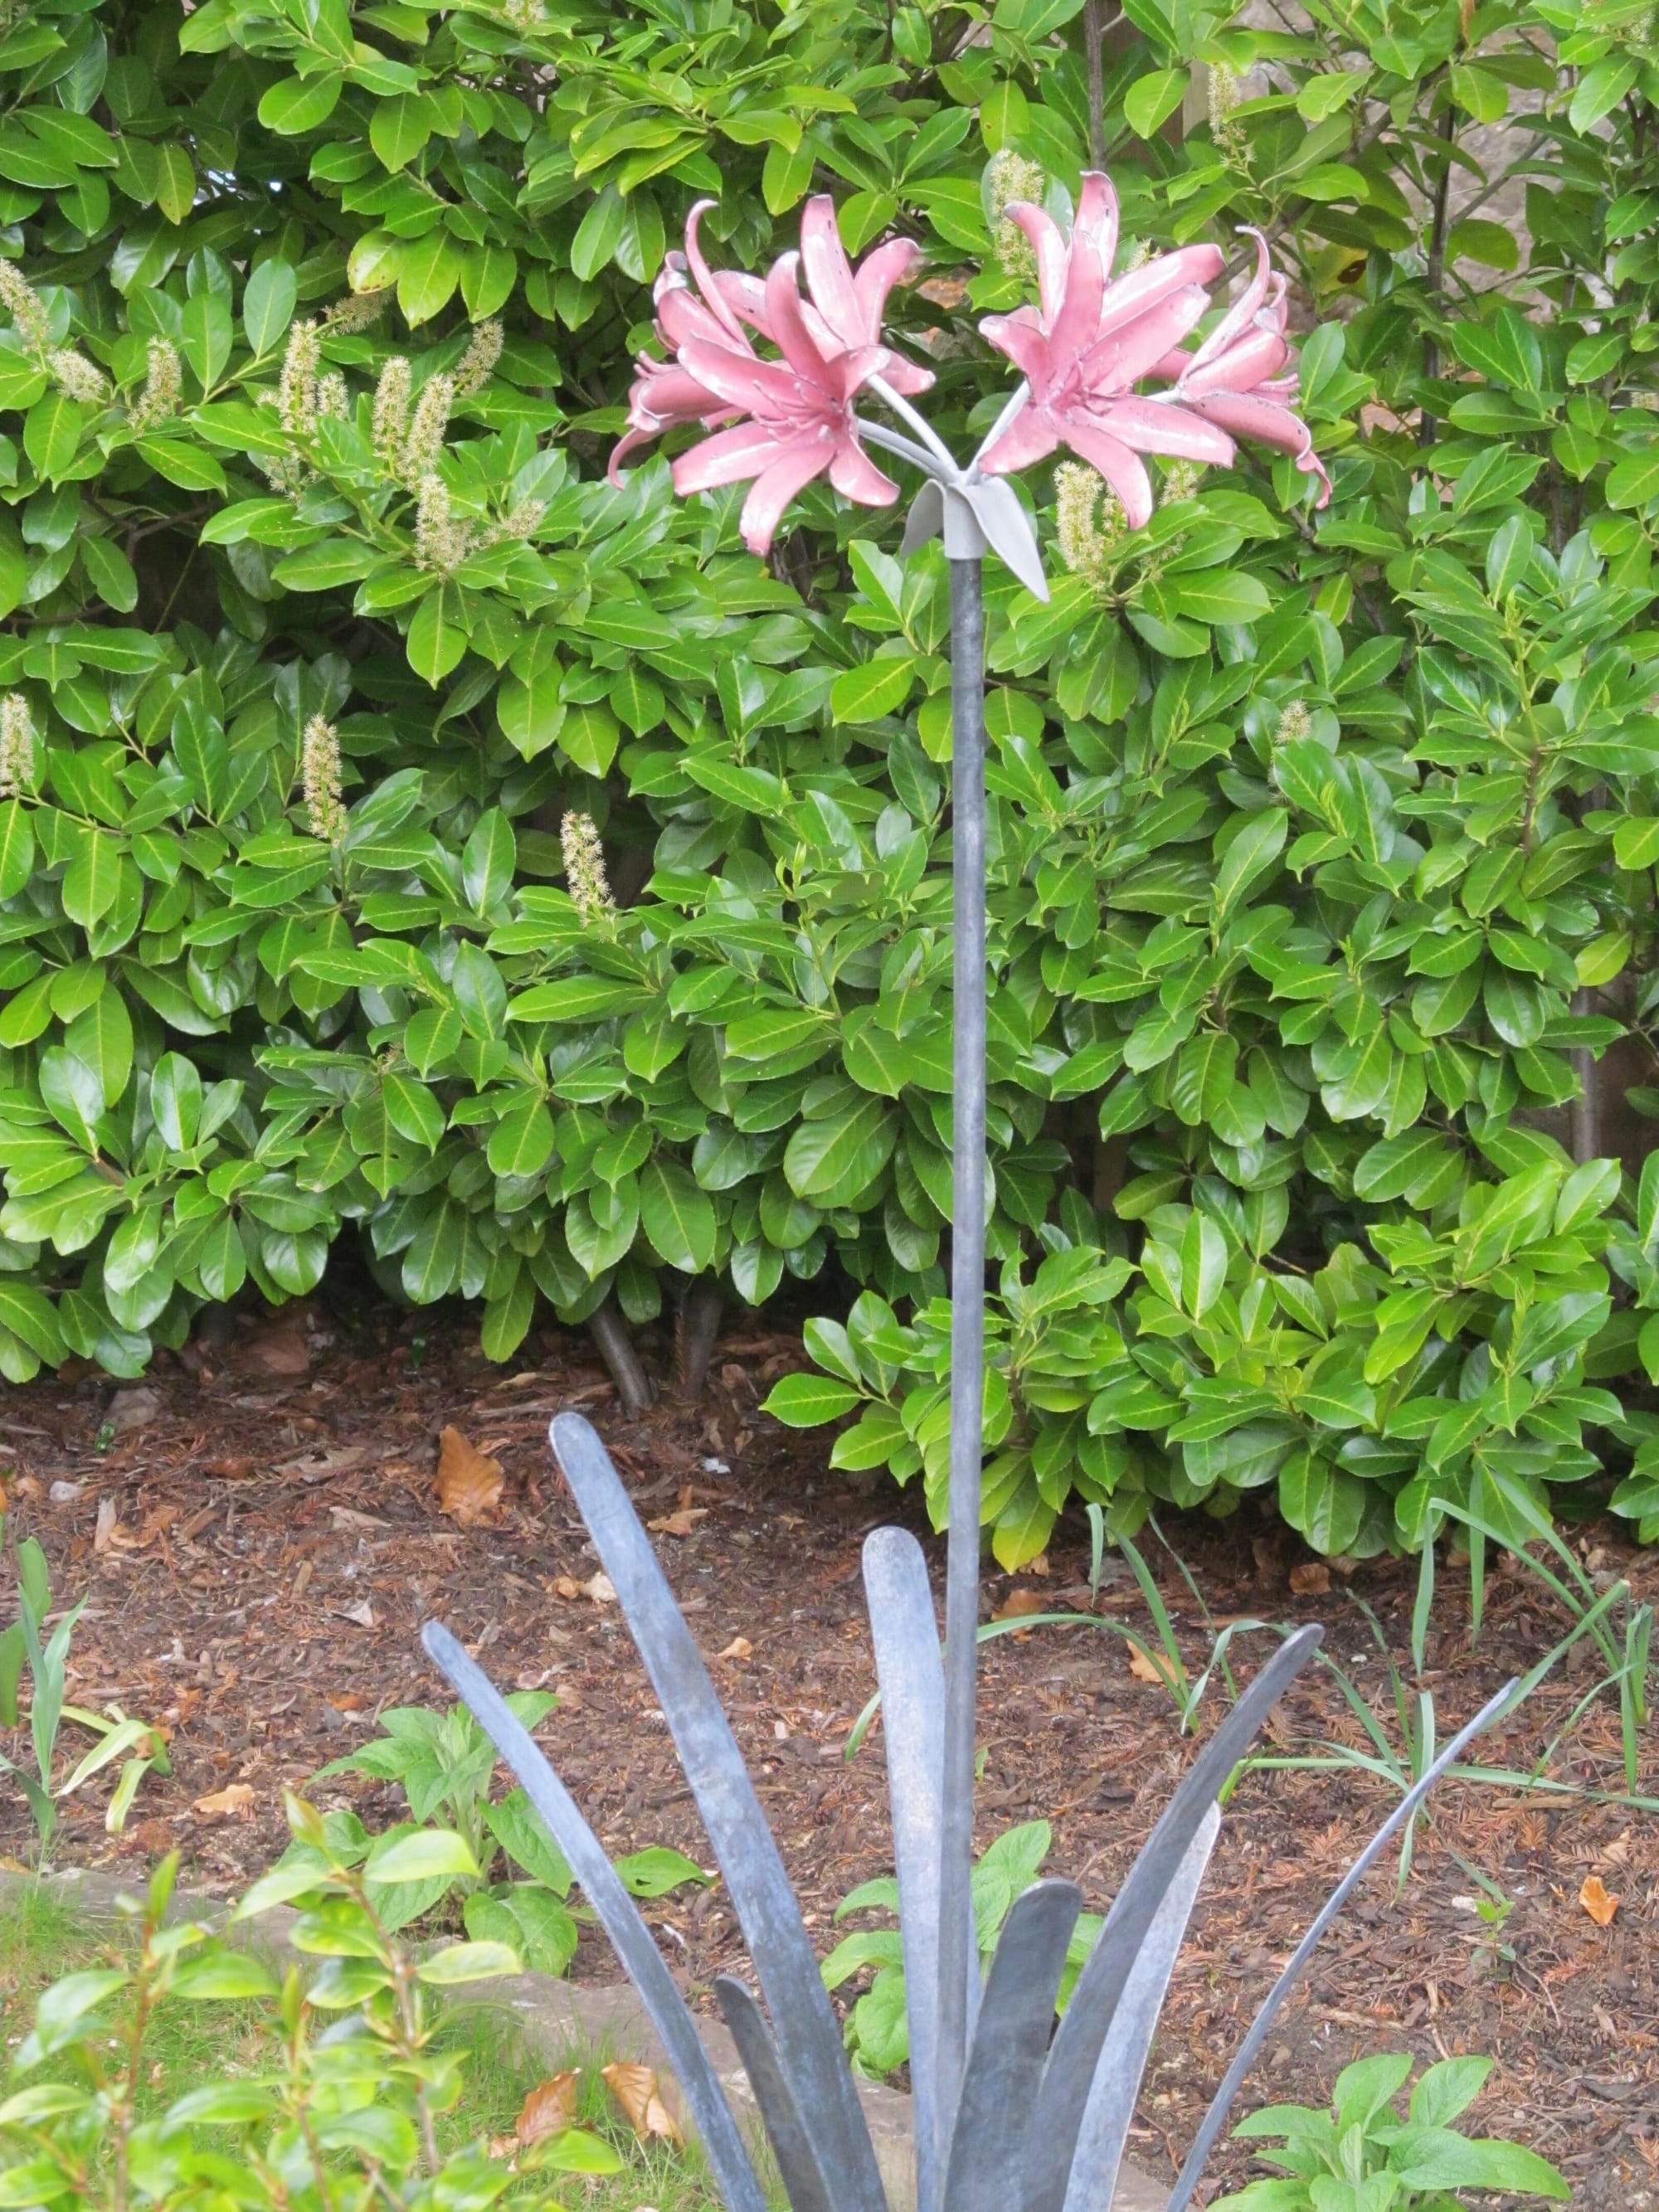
1012,2113
1036,2119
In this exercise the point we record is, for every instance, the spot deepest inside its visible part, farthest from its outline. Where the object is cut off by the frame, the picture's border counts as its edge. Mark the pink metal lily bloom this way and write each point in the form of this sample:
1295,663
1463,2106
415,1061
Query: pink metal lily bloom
1094,337
1235,379
799,408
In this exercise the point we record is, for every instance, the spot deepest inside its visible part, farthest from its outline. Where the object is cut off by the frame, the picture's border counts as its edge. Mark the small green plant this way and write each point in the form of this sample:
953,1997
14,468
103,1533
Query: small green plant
1362,2156
443,1762
877,2032
345,2117
139,1746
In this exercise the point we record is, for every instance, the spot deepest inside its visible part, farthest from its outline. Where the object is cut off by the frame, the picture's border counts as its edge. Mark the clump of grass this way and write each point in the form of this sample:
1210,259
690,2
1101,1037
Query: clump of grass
44,1935
502,2070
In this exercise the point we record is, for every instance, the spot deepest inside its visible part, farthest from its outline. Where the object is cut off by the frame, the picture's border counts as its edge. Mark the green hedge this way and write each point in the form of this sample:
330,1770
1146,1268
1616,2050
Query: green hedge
403,828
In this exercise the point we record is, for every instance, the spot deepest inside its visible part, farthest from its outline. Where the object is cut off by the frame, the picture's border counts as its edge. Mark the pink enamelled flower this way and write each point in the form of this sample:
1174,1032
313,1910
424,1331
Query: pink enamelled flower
791,419
1243,377
1094,337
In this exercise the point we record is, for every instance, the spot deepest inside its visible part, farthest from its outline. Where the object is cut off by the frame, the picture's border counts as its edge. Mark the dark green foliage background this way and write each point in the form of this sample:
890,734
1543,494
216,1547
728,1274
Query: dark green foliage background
1321,843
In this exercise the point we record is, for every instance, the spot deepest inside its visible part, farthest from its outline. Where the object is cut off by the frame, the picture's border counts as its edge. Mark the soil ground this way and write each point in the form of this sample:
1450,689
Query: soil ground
259,1532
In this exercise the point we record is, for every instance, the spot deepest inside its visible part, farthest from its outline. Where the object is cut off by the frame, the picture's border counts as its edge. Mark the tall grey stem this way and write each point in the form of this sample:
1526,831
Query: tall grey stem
956,1960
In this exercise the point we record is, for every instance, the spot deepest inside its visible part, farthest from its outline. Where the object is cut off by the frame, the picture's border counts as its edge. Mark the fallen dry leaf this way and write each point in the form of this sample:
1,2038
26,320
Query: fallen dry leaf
551,2106
600,1588
681,1522
738,1648
104,1534
362,1613
1311,1579
1596,1901
946,291
1019,1603
635,2088
1152,1667
469,1485
281,1351
235,1797
567,1587
154,1836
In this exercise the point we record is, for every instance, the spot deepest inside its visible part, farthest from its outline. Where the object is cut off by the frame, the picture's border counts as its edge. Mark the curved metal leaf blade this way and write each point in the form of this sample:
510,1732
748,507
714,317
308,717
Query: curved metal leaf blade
925,519
1008,531
911,1675
804,2183
808,2037
618,1916
1221,2104
1088,2019
1111,2106
990,2149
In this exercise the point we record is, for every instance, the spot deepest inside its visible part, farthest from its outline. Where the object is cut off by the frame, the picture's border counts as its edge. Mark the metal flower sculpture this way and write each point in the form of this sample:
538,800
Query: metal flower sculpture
1011,2115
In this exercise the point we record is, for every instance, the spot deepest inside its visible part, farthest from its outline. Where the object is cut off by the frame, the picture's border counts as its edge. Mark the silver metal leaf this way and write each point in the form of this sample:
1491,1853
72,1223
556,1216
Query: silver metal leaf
1008,531
925,519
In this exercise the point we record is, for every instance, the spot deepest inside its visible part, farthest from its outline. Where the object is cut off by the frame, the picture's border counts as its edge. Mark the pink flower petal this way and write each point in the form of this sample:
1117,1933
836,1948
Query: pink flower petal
671,394
626,444
728,457
1239,316
856,475
700,273
1266,423
1022,338
1129,297
745,296
1097,216
1256,359
1169,367
682,315
895,263
1031,437
1154,426
848,372
828,275
796,464
1121,469
1133,350
1050,249
1074,327
783,309
760,387
909,377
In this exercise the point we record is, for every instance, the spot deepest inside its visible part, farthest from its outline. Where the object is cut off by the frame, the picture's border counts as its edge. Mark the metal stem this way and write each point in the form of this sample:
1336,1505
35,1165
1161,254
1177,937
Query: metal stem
923,429
957,1962
895,441
1012,406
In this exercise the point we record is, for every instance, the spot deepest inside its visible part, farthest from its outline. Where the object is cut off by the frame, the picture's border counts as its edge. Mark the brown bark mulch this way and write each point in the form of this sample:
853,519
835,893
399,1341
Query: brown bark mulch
260,1539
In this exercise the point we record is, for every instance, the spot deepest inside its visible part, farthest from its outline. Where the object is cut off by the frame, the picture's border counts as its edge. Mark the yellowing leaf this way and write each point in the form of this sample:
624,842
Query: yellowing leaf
1596,1902
635,2088
234,1798
679,1523
1150,1666
469,1485
551,2106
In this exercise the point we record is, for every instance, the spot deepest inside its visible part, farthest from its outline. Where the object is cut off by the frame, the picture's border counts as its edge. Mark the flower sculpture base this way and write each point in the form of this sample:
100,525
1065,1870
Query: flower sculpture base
1038,2119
